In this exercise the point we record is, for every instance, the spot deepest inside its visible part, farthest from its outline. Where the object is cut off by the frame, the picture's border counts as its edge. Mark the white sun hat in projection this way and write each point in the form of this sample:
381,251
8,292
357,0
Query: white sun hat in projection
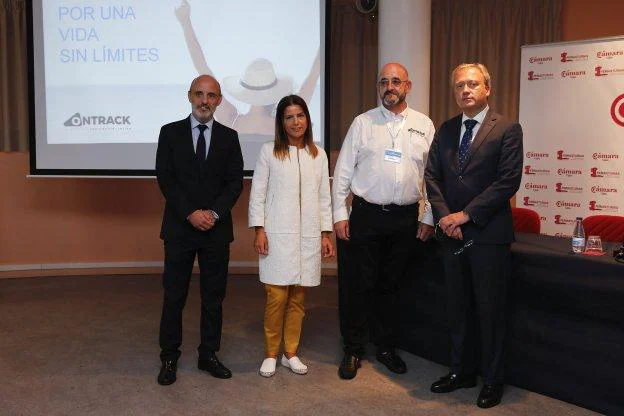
259,84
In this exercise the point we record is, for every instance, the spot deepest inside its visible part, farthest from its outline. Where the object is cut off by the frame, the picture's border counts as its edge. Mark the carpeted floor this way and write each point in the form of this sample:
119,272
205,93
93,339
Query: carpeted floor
88,346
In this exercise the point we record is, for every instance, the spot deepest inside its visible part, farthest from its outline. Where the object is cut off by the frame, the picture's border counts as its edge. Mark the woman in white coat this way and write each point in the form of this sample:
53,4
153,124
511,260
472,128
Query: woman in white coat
290,209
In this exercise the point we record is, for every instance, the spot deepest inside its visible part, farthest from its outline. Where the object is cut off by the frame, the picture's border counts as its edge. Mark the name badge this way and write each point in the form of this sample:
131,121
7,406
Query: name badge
392,155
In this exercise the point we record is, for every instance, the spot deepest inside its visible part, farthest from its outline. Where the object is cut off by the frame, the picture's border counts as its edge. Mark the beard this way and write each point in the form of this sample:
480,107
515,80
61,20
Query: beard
392,98
203,114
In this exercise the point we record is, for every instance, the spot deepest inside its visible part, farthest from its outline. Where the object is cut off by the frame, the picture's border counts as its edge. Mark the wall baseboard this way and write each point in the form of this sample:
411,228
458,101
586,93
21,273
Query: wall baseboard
115,267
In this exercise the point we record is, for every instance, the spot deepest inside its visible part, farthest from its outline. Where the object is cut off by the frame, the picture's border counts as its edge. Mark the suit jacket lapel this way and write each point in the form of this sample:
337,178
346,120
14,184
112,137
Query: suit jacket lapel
186,132
488,124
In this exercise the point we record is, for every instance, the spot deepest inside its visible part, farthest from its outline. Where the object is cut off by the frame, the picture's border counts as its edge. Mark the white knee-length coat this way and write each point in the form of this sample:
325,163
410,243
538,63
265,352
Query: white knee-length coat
291,199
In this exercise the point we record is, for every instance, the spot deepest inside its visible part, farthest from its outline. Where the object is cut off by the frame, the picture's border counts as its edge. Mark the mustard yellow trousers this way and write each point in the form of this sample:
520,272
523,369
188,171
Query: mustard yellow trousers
283,314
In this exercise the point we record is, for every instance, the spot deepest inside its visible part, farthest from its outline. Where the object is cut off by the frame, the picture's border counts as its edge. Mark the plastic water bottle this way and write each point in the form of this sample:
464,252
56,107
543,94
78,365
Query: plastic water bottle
578,236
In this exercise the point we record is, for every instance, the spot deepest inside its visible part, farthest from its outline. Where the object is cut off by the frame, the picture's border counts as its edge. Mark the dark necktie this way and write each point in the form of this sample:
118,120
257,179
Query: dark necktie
200,152
464,146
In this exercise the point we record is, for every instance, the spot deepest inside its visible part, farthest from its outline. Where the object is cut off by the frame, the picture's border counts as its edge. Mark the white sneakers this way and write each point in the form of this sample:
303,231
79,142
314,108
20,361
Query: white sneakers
267,369
294,364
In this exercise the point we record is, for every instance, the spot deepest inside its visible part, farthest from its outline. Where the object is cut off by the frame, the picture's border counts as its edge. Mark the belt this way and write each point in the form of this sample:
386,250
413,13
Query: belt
386,208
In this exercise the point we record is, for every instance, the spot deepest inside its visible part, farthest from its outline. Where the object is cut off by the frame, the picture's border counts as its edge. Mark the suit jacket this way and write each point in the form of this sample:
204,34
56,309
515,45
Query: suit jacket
187,185
489,178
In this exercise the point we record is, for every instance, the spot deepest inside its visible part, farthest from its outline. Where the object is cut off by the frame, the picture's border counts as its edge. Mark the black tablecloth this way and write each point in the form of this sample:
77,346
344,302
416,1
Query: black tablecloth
566,320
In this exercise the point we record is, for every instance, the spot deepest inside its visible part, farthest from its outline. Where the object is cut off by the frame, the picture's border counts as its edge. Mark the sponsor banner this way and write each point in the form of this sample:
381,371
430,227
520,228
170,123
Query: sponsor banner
601,71
537,76
530,170
560,187
572,116
563,155
568,57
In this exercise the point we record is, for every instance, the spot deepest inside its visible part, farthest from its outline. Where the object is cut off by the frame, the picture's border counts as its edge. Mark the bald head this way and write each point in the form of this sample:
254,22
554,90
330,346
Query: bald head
393,86
205,78
394,66
204,96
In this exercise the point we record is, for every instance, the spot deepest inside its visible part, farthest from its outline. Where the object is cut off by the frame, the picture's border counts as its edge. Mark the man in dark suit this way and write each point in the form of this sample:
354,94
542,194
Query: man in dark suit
474,168
199,167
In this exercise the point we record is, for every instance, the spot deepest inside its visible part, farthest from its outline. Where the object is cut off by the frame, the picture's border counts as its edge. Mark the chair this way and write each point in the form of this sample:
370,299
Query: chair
608,227
526,220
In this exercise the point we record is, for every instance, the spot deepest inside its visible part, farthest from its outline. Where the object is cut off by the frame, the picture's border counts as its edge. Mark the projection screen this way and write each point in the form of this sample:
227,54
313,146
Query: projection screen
106,75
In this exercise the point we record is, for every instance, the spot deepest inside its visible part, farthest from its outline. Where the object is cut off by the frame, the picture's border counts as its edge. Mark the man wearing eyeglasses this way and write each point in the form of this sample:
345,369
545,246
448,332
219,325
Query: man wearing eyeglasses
382,163
474,168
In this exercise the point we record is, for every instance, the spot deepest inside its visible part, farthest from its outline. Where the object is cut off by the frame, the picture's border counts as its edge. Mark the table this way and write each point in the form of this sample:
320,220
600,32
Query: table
566,320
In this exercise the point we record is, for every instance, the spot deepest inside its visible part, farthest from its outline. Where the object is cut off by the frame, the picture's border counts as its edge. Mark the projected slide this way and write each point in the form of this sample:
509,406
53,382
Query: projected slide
109,74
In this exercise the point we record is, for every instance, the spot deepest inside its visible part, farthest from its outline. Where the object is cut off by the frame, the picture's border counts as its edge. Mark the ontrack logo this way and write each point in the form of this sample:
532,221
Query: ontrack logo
78,120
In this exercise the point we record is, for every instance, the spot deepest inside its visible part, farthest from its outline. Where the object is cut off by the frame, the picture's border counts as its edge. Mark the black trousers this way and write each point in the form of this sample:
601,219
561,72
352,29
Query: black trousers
476,299
370,273
213,262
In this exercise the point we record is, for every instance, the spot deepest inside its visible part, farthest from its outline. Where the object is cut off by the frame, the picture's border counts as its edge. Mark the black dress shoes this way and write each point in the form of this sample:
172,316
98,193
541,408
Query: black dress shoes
212,365
490,396
392,361
167,373
452,382
349,367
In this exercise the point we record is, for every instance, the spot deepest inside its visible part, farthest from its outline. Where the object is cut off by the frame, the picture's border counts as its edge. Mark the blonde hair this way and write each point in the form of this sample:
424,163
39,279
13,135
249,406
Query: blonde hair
480,67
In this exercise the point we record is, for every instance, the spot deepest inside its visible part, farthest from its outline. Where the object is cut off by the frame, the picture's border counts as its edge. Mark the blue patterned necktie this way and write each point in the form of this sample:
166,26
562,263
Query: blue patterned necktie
200,152
464,146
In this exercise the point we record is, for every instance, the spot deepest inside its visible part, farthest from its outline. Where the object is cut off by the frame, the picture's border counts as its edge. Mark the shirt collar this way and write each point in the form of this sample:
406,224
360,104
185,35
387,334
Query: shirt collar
391,116
195,123
479,117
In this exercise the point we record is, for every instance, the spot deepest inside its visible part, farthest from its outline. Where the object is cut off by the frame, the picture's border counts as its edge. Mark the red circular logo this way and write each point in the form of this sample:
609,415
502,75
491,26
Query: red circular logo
617,110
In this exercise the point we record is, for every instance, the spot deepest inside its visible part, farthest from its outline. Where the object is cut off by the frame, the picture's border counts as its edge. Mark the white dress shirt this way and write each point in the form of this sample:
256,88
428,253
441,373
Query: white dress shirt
362,169
478,118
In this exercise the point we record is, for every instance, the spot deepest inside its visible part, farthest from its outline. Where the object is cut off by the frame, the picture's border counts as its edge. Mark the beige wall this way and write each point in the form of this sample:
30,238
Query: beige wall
582,19
45,221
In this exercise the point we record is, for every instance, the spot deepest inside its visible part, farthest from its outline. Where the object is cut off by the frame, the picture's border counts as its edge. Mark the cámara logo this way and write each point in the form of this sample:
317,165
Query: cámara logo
540,59
569,172
572,74
605,156
536,155
535,186
567,204
608,54
78,120
603,190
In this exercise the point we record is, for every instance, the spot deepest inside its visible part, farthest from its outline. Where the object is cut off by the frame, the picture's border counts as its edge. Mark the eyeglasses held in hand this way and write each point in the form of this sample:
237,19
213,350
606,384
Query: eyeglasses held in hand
441,236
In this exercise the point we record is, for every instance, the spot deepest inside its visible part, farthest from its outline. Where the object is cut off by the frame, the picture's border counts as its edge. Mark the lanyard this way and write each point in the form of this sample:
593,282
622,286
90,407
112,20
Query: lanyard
394,134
